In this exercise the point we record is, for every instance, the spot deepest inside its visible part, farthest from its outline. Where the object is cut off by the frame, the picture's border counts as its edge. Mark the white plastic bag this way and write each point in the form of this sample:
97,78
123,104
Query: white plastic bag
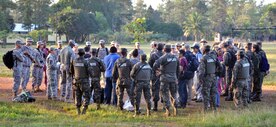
128,106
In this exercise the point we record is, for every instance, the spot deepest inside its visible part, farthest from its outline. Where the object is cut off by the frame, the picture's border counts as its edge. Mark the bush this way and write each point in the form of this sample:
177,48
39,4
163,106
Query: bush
157,37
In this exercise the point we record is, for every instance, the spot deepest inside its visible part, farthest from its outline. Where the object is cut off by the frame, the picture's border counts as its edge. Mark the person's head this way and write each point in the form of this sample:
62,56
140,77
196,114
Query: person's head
219,51
76,47
203,42
59,44
39,44
71,43
206,49
113,50
178,46
102,43
44,43
18,44
181,53
124,52
187,47
86,49
88,44
153,45
167,48
52,50
137,45
81,52
248,46
94,51
160,46
225,46
229,41
260,44
29,41
143,57
117,45
195,48
135,53
256,48
240,54
173,48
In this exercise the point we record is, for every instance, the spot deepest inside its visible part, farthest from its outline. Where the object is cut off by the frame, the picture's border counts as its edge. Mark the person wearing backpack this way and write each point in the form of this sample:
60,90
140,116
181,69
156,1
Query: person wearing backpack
182,84
155,82
264,65
189,73
29,53
17,68
102,51
229,60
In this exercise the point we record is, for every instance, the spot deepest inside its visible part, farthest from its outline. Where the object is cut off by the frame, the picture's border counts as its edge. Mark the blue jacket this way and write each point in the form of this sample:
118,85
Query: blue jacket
109,62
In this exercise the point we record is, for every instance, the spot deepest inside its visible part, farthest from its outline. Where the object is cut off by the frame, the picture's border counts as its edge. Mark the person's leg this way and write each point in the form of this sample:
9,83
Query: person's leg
147,96
181,88
16,81
206,93
120,94
164,87
218,80
40,76
49,87
155,87
130,94
173,91
138,93
228,82
189,90
68,86
25,77
97,93
63,84
78,98
245,93
213,92
34,77
86,95
108,91
114,100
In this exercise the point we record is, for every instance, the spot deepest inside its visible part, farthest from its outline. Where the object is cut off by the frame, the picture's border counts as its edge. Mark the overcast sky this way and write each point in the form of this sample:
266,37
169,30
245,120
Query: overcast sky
155,3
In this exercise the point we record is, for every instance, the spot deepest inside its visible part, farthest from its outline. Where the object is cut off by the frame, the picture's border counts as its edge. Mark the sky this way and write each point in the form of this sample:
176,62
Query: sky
155,3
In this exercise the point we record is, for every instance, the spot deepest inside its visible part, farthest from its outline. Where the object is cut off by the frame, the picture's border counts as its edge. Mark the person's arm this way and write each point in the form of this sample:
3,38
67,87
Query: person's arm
102,66
115,71
133,71
235,73
202,70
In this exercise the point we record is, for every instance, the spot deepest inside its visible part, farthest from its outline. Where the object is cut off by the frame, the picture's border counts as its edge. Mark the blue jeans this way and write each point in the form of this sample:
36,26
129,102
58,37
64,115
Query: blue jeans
218,95
182,91
108,90
114,99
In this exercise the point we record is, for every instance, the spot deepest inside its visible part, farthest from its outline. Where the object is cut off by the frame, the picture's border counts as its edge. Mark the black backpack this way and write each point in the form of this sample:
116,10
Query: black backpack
8,59
192,63
233,59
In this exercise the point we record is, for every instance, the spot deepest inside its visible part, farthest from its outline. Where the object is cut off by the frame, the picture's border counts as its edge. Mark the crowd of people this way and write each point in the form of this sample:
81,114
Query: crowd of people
174,74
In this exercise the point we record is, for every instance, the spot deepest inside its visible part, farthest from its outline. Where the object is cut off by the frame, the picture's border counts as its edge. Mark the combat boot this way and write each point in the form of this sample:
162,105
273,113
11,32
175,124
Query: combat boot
84,110
78,111
98,106
14,95
174,111
155,106
256,98
167,113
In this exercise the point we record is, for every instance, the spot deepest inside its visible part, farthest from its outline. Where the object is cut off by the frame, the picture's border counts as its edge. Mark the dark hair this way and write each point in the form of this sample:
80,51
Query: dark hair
113,50
256,47
135,53
86,49
182,52
160,46
143,57
168,50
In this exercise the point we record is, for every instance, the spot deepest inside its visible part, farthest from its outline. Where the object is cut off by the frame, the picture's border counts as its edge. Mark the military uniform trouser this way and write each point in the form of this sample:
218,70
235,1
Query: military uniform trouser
17,73
95,85
249,86
168,92
121,86
155,87
66,84
257,83
37,76
209,91
197,86
52,84
189,89
240,92
82,90
25,77
228,78
142,86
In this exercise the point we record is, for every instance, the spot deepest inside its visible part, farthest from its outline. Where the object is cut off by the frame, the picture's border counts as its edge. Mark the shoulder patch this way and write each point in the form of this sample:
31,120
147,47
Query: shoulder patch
79,64
245,65
210,61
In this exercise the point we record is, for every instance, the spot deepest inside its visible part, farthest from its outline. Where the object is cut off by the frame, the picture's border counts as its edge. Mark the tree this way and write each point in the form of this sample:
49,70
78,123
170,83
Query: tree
137,28
41,13
140,9
194,26
26,9
74,23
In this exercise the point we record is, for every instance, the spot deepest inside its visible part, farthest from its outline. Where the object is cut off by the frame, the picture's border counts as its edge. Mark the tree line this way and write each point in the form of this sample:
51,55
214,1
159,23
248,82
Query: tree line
123,21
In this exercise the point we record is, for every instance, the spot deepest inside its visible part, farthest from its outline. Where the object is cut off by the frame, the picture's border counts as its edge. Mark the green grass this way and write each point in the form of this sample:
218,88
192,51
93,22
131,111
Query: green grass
49,113
270,49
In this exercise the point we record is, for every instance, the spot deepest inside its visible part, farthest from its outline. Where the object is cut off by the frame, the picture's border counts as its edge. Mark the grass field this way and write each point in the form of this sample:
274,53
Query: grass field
51,113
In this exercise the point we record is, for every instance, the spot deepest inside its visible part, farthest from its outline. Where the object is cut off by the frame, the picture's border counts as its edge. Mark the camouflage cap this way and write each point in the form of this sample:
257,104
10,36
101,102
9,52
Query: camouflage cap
203,41
88,43
102,42
39,43
19,42
52,48
29,40
72,42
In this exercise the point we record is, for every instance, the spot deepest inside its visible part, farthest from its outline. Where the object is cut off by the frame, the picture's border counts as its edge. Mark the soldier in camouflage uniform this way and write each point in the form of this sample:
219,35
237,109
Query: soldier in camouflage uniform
207,77
239,80
121,74
66,56
95,69
80,72
257,88
38,67
29,59
17,67
155,82
249,57
58,49
52,68
141,74
168,66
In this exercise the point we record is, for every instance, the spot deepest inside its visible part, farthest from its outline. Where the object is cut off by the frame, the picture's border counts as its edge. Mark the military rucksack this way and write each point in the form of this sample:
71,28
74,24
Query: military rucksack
8,59
24,96
264,65
233,59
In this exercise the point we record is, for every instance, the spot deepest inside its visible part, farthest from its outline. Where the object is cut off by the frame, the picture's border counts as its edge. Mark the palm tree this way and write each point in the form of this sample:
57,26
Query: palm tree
193,25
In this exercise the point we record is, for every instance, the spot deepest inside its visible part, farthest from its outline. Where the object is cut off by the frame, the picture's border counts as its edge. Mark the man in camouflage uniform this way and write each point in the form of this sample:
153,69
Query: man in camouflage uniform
95,69
29,59
155,82
66,55
249,57
38,67
141,74
80,71
168,66
256,60
239,80
229,64
121,74
58,49
52,68
207,77
17,67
